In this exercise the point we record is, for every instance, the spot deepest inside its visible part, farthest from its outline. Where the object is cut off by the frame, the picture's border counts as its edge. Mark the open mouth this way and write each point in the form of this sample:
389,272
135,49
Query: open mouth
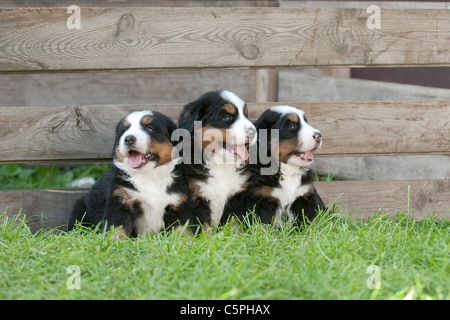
138,160
241,150
306,155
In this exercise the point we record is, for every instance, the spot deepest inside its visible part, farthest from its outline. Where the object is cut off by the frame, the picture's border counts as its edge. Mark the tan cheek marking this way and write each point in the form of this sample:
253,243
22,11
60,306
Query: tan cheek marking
209,135
163,150
286,148
117,153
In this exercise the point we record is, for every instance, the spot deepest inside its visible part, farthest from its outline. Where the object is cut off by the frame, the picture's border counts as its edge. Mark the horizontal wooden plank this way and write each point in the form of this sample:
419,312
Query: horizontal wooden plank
401,4
126,87
37,39
304,85
140,3
51,208
349,128
364,198
419,167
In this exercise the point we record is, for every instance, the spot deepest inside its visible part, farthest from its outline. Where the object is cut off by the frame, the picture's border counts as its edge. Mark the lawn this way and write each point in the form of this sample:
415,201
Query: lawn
333,258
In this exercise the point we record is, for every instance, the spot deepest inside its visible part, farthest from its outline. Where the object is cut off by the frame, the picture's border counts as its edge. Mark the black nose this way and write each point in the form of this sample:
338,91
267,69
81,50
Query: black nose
130,140
317,136
251,133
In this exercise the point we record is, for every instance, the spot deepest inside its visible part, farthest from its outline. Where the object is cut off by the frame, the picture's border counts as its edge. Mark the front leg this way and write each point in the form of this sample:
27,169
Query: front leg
306,206
241,205
121,211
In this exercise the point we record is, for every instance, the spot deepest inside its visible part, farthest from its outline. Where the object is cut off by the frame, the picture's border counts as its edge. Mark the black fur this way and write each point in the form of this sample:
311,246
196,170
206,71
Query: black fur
209,109
257,196
107,202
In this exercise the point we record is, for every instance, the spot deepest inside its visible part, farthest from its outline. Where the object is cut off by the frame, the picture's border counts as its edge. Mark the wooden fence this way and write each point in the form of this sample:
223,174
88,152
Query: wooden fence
38,40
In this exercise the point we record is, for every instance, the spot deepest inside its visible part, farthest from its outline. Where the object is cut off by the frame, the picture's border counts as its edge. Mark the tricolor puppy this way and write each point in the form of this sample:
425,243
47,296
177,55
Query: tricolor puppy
143,191
221,134
285,195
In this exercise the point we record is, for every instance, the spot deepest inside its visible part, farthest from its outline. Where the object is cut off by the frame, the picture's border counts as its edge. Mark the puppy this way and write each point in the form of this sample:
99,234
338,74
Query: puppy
220,134
143,191
285,195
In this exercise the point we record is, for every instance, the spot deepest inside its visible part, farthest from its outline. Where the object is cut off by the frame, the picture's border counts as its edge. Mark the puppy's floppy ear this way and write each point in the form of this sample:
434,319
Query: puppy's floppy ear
187,118
266,120
168,123
171,126
194,111
119,131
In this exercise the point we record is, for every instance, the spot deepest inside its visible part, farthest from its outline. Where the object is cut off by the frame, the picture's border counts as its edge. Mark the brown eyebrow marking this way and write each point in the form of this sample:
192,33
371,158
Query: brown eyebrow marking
146,120
231,109
246,111
293,117
126,123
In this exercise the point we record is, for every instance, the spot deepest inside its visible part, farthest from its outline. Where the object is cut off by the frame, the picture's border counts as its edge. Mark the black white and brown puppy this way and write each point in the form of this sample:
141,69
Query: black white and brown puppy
286,195
143,191
220,132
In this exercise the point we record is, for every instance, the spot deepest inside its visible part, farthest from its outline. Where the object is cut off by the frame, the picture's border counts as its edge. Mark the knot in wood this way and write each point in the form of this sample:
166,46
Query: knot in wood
125,24
248,50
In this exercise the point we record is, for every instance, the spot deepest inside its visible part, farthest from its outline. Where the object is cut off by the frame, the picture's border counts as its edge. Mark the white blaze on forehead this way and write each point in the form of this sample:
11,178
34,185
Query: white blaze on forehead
288,109
238,131
234,99
135,117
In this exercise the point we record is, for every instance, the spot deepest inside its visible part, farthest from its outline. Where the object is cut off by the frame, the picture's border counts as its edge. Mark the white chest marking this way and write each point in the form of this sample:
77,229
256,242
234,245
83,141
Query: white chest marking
290,189
152,193
222,183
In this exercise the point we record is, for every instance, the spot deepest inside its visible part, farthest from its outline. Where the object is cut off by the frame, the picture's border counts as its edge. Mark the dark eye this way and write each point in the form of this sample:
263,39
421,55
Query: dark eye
227,118
292,126
149,129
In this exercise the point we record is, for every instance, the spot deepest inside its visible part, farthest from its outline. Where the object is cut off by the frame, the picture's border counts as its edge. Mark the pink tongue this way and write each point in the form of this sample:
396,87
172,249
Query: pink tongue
135,159
241,150
308,155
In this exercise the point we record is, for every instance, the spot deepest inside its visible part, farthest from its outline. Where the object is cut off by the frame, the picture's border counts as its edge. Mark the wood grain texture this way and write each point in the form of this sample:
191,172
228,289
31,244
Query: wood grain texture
425,198
125,87
51,208
37,39
363,128
140,3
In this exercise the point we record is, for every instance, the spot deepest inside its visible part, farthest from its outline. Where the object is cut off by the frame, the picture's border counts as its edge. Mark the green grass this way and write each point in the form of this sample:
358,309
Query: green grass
16,176
330,259
327,260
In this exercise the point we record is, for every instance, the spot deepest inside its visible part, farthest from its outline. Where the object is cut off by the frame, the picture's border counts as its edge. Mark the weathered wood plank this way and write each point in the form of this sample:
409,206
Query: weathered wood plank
401,4
421,197
306,86
51,208
349,128
126,87
37,39
420,167
139,3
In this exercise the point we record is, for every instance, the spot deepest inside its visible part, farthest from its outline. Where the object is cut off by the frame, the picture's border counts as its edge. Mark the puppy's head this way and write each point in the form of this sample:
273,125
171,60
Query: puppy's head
297,139
143,140
225,124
